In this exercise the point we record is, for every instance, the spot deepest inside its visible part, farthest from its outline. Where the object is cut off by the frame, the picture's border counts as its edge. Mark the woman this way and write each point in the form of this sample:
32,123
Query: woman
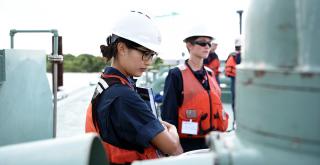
123,120
192,96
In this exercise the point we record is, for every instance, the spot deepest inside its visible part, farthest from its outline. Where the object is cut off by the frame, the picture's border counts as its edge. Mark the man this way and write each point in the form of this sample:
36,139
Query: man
230,70
212,61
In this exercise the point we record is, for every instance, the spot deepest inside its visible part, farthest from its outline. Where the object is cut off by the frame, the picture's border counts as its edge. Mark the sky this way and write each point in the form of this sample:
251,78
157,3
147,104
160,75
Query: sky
85,24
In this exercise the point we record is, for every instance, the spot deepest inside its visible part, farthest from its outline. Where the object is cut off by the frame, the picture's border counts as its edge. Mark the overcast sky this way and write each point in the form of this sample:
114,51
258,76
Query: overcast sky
84,24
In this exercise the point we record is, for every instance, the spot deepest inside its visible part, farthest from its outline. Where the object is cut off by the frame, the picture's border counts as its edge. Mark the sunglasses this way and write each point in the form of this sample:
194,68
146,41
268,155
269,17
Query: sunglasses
146,54
201,43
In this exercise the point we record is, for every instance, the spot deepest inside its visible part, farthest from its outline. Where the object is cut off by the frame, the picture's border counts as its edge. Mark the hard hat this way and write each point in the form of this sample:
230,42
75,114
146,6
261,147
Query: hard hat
237,42
139,28
215,41
199,30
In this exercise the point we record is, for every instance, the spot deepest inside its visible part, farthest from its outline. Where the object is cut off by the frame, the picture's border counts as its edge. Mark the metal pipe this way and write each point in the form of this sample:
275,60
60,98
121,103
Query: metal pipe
271,86
84,149
275,27
240,20
55,80
309,34
55,88
54,58
12,32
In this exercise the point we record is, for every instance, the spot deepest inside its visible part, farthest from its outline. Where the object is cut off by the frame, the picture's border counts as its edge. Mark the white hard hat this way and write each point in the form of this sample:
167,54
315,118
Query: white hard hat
215,41
139,28
199,30
238,42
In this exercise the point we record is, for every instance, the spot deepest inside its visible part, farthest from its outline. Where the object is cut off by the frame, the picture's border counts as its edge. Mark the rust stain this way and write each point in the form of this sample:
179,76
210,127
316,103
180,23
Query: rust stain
296,140
248,82
307,75
259,73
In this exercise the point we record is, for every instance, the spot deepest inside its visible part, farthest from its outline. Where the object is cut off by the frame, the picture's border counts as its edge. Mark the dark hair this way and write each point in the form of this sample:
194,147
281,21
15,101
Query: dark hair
110,50
191,39
238,48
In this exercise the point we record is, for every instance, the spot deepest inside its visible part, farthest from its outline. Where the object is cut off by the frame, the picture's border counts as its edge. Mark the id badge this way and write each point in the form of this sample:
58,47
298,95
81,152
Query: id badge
189,127
191,114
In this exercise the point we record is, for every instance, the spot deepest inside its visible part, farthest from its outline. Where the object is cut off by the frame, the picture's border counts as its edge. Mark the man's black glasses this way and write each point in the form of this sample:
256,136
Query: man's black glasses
201,43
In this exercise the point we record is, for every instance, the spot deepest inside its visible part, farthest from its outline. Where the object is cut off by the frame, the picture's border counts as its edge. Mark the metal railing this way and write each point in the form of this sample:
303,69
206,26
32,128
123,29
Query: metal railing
54,58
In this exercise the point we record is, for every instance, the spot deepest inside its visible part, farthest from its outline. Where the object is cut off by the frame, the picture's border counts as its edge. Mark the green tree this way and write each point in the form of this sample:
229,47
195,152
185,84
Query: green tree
158,62
81,63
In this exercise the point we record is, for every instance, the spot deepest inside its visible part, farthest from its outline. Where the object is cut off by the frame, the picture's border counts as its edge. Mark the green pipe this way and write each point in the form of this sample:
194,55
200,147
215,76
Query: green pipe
80,150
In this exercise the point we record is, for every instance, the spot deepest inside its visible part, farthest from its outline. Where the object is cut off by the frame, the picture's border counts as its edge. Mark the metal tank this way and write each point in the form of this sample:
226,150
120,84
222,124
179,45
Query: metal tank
27,115
25,97
277,91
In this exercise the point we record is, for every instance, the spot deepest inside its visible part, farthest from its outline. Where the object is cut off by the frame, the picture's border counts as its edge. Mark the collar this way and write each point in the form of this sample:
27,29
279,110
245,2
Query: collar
201,70
114,71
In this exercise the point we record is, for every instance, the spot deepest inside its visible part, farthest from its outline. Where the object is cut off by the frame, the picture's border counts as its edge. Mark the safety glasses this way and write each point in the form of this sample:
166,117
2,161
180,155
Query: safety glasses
146,54
201,43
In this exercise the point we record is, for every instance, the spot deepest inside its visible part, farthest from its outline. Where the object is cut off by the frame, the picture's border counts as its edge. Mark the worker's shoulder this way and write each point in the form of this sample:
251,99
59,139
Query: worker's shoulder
119,90
175,72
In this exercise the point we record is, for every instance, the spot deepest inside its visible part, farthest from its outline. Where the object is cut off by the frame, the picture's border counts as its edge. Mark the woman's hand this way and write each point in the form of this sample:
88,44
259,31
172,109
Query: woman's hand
170,128
168,140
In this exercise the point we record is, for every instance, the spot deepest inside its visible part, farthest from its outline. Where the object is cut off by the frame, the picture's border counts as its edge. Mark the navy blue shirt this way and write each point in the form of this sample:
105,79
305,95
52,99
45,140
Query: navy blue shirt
126,119
238,58
172,96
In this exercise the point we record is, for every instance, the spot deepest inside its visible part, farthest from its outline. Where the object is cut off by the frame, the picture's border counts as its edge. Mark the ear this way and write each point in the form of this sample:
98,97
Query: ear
189,45
121,47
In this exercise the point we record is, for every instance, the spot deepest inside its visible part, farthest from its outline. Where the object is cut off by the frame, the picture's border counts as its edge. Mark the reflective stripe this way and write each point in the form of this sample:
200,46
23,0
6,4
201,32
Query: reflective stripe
103,83
208,69
100,90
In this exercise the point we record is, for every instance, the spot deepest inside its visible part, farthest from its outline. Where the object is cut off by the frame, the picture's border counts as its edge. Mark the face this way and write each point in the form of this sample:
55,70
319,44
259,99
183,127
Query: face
133,61
200,47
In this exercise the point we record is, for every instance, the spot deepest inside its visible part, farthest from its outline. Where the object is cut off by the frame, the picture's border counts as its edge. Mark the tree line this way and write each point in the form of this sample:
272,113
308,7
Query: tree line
89,63
81,63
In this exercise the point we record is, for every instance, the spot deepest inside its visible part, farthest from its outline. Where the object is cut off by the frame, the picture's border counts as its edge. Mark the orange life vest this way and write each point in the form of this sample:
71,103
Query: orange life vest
214,65
114,153
230,67
201,106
